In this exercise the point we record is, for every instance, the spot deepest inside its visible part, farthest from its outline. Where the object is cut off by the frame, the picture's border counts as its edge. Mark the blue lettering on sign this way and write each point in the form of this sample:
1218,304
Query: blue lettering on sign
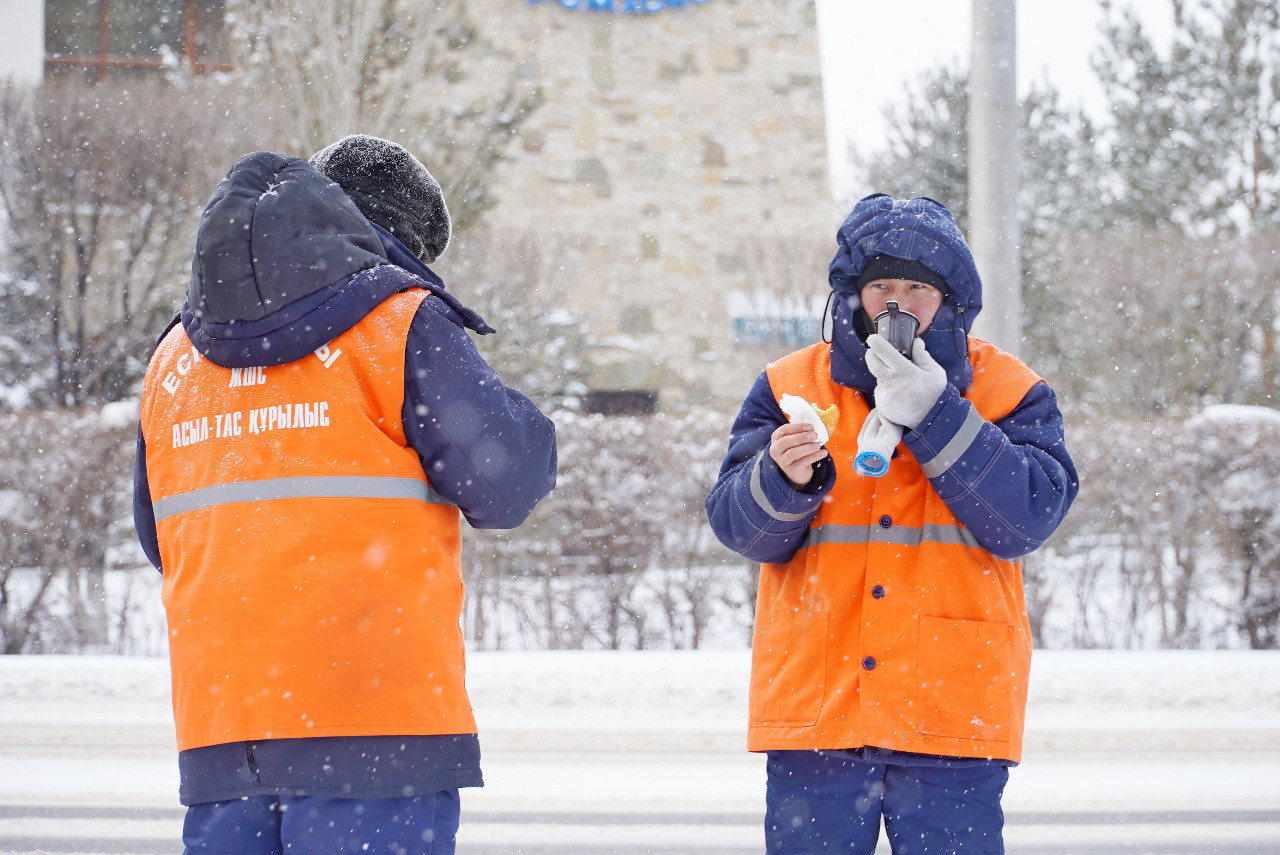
628,7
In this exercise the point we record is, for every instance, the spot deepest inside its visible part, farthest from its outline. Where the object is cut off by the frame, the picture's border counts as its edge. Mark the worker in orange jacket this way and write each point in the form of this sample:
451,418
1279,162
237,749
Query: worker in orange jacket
892,646
314,428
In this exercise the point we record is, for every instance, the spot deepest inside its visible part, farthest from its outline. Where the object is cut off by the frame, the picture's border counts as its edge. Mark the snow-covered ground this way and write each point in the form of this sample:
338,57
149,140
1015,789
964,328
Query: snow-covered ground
635,752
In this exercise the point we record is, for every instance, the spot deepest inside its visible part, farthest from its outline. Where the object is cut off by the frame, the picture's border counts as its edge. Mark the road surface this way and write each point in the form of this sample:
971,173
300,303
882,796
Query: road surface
580,760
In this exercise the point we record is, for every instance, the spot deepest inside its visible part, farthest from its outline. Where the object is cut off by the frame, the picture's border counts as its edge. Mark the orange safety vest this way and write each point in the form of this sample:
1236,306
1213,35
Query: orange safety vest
312,578
890,626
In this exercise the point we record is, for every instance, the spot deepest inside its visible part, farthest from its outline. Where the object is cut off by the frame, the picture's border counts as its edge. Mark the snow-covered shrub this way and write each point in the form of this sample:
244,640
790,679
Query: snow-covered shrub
620,555
64,523
1174,540
1239,449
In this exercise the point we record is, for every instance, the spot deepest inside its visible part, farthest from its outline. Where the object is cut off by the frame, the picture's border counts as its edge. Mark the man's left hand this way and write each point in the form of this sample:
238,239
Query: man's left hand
906,389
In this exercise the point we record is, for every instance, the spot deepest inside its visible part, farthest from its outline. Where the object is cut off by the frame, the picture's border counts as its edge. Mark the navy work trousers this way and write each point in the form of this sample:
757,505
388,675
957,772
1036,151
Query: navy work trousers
818,802
304,825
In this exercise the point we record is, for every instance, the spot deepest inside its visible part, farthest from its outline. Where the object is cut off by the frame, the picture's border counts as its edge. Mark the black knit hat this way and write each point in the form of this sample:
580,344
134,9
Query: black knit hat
392,188
891,267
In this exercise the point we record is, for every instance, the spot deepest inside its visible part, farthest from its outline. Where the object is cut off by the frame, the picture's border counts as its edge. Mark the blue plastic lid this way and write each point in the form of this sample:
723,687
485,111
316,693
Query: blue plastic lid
870,463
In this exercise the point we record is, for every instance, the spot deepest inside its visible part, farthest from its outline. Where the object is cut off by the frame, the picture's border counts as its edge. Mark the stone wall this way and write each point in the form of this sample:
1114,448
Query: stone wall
685,150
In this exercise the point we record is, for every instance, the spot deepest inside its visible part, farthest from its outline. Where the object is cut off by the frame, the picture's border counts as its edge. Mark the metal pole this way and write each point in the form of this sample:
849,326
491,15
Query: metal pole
993,171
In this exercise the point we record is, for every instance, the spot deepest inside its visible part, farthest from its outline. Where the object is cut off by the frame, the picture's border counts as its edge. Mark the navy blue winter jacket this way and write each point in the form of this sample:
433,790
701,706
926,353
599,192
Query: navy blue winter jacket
1012,483
301,292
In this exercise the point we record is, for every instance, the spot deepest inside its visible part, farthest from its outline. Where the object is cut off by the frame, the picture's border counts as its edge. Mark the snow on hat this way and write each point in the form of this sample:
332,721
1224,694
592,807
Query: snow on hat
891,267
392,188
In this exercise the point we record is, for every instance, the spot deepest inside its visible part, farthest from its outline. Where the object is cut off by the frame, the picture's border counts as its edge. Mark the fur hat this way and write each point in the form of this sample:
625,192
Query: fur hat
392,188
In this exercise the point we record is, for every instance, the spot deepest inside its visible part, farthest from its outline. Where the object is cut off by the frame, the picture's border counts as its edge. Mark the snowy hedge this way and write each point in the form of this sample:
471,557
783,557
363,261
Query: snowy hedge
1173,542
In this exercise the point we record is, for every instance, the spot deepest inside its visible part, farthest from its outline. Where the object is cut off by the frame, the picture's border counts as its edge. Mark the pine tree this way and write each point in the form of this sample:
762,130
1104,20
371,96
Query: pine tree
1194,143
927,155
1189,150
1195,130
926,145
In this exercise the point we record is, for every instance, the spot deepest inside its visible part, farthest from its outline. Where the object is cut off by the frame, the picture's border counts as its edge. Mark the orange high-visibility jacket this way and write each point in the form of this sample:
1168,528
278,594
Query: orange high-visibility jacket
312,577
891,626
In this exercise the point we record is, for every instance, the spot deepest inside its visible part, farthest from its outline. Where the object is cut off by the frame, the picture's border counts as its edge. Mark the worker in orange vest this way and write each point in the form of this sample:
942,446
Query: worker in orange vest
314,427
892,645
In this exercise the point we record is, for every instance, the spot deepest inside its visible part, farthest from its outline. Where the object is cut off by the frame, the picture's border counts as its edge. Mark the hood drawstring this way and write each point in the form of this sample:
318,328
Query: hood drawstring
826,311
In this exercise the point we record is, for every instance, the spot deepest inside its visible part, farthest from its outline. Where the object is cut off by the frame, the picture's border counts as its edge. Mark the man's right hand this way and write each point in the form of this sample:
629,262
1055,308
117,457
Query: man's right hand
794,447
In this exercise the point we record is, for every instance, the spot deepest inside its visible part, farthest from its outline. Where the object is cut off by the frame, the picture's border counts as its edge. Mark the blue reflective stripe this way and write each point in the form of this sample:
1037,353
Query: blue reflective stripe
955,449
898,535
322,486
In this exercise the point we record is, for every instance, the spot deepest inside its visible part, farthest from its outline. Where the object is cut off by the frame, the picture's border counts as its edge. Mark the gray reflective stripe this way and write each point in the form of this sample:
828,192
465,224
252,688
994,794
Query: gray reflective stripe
933,533
899,535
757,493
955,449
326,486
845,534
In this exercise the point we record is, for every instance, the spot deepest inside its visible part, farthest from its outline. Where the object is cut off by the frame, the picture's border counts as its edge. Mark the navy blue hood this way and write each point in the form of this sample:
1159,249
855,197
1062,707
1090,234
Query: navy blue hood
285,262
922,230
277,244
276,230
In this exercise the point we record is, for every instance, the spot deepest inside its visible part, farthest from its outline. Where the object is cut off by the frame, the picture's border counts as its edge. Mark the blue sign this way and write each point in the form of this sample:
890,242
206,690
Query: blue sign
622,7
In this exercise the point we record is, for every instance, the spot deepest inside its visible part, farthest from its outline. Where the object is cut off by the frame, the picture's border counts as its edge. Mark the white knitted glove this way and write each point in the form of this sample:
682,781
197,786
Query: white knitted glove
906,390
876,442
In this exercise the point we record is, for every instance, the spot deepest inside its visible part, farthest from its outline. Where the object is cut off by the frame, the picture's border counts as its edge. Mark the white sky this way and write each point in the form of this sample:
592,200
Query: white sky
871,49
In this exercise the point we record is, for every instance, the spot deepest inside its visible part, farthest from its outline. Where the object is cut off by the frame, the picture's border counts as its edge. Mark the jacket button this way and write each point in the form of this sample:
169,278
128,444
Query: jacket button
869,663
878,592
886,521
